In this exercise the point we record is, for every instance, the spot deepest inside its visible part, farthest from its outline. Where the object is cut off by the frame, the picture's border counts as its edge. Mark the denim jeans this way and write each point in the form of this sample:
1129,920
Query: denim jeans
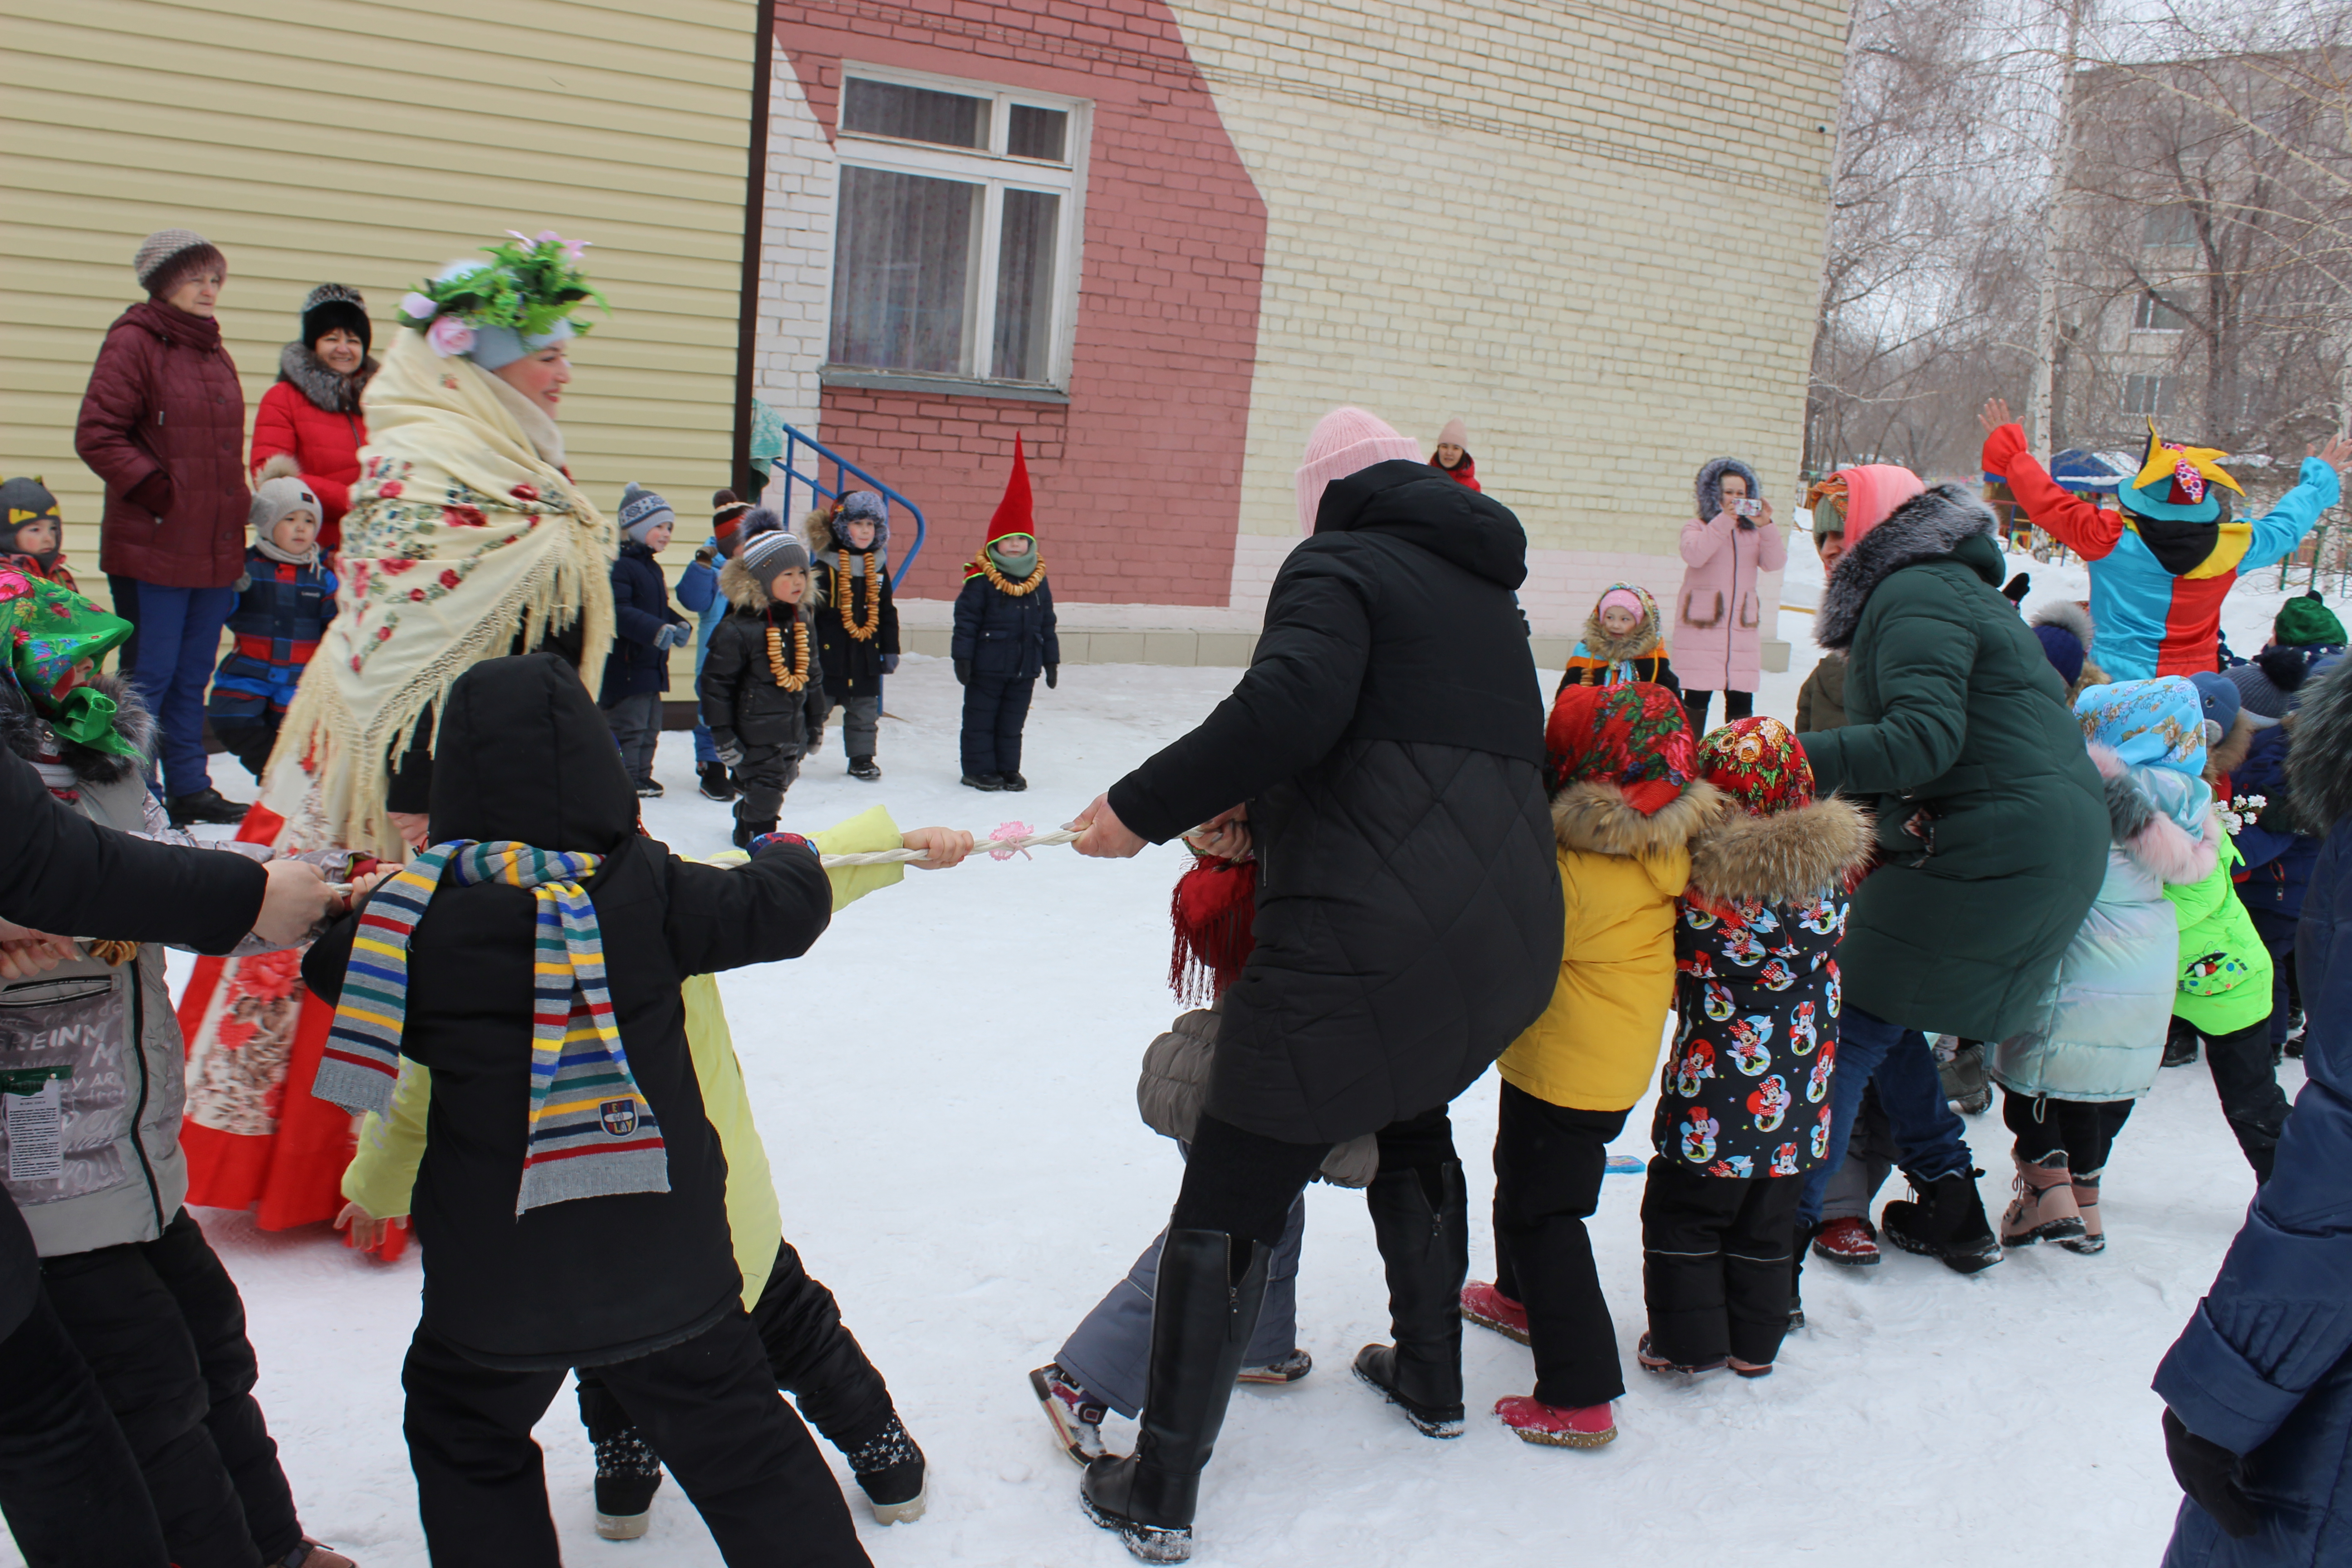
178,644
1928,1133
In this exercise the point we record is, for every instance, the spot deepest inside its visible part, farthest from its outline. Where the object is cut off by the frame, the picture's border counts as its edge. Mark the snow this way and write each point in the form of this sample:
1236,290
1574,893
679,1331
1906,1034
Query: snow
946,1086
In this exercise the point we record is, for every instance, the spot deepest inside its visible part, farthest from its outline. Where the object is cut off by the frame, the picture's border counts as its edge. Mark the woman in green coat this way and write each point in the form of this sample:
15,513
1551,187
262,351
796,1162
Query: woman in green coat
1993,828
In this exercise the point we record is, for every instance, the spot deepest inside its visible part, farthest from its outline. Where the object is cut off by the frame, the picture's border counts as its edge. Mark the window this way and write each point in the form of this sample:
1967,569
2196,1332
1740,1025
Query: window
2149,394
2153,315
2171,226
955,249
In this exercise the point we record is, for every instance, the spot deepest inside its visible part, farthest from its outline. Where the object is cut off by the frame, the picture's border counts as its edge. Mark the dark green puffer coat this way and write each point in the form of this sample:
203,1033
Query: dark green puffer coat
1992,824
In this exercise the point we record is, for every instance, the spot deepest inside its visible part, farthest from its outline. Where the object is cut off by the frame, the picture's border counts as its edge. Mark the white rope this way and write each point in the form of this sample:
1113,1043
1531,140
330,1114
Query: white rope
998,848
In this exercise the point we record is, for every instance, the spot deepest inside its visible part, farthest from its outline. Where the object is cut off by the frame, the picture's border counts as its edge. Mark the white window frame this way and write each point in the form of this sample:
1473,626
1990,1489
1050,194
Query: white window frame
995,170
2158,392
2144,313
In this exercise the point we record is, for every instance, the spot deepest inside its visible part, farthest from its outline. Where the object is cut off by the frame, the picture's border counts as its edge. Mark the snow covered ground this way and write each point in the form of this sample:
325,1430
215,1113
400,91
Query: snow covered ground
946,1085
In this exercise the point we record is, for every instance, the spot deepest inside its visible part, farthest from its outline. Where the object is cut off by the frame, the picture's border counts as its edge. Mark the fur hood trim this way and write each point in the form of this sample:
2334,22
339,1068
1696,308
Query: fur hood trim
330,390
2066,615
28,736
742,590
1927,526
817,534
1595,816
2319,762
2167,850
1641,642
2227,754
1783,858
1706,489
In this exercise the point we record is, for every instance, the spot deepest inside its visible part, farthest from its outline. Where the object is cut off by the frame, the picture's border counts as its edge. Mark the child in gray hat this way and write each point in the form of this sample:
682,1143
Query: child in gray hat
761,687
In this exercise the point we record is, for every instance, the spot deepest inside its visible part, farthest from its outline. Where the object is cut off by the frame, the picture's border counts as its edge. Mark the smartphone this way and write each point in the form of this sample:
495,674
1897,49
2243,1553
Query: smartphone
1748,506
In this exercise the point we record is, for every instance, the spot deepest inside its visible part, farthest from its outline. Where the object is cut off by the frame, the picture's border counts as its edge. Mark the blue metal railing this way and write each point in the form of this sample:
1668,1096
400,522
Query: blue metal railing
790,473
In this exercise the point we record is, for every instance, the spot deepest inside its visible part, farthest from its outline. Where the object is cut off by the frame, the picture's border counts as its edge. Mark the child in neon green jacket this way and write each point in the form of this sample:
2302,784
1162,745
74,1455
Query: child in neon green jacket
812,1354
2224,993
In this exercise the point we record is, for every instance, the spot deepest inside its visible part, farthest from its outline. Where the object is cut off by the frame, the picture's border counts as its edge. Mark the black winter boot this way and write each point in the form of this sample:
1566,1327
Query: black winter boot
628,1473
1201,1322
713,781
1425,1247
863,768
2180,1041
1946,1220
890,1472
747,831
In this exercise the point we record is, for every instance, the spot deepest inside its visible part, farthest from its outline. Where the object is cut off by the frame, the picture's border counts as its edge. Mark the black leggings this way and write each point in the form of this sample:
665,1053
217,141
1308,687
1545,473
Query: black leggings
1736,705
1244,1182
2083,1131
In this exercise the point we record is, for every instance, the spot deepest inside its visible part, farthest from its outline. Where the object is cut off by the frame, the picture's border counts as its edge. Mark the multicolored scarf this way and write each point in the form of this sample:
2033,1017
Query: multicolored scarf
591,1133
1634,735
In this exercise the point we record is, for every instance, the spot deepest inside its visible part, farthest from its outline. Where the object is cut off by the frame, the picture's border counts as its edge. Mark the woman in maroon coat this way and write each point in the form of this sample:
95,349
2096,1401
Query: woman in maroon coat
163,423
313,415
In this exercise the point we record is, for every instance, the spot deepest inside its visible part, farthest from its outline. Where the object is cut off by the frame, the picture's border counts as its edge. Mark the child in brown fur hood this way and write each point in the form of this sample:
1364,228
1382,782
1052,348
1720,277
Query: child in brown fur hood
762,688
1623,640
1743,1102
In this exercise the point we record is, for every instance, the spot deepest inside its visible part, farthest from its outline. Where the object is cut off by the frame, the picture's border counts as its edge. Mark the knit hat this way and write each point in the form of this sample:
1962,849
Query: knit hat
276,501
772,552
1873,491
333,305
47,631
24,501
168,256
1620,597
494,313
2257,693
642,511
1759,763
1455,433
2157,723
1633,734
1345,441
2064,649
727,515
2306,620
2221,703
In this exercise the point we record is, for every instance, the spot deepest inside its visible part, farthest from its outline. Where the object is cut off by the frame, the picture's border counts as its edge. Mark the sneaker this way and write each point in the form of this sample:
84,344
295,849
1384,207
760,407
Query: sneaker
2180,1044
1851,1241
650,790
207,806
1591,1427
1282,1368
1946,1220
713,781
1649,1360
1078,1416
2043,1209
1490,1309
891,1473
1012,781
863,768
628,1473
983,781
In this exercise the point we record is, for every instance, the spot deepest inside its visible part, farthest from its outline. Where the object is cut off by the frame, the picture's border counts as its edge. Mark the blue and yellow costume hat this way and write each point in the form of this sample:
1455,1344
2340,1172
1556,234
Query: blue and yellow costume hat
2176,483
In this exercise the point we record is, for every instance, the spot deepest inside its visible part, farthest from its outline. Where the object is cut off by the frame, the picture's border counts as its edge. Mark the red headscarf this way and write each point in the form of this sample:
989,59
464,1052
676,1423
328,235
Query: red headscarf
1634,735
1759,763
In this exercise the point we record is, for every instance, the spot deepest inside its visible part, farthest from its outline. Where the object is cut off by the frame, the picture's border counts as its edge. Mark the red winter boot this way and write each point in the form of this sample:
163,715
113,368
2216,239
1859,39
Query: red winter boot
1849,1241
1490,1309
1589,1427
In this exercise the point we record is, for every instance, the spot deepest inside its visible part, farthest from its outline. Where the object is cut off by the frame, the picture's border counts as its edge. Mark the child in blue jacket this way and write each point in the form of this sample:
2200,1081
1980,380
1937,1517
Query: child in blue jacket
645,628
284,603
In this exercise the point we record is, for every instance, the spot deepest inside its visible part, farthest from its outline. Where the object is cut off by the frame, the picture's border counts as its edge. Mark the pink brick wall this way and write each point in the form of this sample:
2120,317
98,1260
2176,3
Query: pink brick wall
1137,479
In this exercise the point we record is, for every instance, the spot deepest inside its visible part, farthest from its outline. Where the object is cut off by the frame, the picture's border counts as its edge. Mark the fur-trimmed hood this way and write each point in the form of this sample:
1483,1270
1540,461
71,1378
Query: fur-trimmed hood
28,736
2319,762
1928,525
1783,858
1594,815
743,591
1647,639
330,390
2068,616
817,532
2227,754
1707,491
2147,831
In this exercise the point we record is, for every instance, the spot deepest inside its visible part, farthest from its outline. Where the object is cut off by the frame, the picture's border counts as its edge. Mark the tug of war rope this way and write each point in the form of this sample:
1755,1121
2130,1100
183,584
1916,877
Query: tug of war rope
1007,840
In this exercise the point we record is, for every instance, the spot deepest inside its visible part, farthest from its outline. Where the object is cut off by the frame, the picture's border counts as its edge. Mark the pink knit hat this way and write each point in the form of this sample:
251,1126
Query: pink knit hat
1873,491
1346,441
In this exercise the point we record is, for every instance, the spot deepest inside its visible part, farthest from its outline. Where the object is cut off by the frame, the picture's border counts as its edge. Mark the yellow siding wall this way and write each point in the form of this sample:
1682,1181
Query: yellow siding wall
368,145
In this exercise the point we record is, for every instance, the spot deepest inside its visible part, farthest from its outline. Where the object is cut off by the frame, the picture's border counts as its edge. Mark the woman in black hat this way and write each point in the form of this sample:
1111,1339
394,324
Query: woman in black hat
310,423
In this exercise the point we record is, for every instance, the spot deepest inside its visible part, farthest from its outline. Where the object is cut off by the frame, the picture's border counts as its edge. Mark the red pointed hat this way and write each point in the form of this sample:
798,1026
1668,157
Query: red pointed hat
1015,513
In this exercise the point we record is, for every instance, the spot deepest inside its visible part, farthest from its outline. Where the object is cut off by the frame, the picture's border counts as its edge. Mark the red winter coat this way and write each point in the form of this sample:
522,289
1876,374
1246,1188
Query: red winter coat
164,396
313,415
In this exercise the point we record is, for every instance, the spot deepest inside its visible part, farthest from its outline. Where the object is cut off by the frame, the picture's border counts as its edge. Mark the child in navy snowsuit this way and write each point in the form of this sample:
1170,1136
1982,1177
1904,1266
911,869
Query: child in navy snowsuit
284,603
1003,639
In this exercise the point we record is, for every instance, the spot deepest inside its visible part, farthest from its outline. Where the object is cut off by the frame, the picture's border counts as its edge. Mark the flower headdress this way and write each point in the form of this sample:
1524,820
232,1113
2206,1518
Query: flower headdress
529,287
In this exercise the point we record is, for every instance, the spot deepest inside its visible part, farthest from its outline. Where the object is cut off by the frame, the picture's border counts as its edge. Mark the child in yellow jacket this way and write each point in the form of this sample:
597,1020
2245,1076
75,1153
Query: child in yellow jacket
1626,801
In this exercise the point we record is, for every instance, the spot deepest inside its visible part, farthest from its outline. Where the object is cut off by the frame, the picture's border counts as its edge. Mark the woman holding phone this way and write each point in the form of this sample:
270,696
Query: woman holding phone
1717,616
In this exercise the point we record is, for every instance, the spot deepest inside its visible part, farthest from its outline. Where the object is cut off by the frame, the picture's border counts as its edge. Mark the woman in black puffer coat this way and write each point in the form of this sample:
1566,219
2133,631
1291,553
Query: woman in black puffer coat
1387,743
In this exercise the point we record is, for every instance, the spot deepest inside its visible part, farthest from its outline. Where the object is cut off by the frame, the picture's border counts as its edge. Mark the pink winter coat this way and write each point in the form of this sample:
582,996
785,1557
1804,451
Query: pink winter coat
1717,615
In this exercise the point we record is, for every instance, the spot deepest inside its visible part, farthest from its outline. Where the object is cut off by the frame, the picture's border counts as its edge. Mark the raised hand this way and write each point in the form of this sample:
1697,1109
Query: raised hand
1994,414
2337,454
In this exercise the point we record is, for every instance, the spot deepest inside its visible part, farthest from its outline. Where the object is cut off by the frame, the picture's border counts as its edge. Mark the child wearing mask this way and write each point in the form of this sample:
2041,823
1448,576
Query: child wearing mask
32,532
1003,639
645,628
285,602
1622,772
762,688
856,621
1622,642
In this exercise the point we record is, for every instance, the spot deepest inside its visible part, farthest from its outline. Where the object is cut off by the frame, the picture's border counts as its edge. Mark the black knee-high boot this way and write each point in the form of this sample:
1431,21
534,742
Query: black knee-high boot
1201,1322
1425,1246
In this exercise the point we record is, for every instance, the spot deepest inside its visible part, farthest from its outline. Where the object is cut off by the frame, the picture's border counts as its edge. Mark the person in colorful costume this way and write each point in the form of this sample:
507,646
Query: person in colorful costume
2161,566
465,540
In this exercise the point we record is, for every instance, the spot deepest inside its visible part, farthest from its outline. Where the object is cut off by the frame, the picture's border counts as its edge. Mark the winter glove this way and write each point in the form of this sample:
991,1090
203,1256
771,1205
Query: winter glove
889,664
2019,587
670,635
1053,676
154,493
705,557
964,671
730,750
2209,1474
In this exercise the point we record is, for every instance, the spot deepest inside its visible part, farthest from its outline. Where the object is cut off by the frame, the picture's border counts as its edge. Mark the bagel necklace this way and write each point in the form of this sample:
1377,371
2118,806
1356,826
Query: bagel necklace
797,677
841,598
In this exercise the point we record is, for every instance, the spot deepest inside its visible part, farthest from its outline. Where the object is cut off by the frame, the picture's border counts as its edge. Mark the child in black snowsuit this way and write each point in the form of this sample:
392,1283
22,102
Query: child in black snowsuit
762,688
1744,1100
1003,639
856,623
600,1237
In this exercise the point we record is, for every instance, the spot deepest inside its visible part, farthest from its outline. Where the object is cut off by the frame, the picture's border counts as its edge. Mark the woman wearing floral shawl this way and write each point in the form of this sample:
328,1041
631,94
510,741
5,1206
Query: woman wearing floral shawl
465,540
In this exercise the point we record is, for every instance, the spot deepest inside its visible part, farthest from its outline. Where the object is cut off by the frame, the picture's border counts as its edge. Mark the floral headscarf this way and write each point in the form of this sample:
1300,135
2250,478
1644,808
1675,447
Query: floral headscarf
2157,723
1759,763
1633,734
50,631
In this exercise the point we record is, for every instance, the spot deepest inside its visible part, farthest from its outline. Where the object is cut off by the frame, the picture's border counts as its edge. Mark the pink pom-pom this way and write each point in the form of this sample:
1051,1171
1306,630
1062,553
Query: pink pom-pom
1009,830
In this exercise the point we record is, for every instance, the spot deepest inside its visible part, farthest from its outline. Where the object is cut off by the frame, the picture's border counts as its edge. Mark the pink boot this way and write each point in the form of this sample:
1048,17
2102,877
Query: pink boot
2087,1203
2043,1209
1588,1428
1490,1309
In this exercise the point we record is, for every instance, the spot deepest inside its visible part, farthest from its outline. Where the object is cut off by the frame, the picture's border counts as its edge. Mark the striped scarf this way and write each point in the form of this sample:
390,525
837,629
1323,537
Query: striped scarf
591,1133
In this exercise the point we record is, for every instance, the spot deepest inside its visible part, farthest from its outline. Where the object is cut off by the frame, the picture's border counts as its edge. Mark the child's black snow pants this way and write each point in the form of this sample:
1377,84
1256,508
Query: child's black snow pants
1715,1262
1548,1164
